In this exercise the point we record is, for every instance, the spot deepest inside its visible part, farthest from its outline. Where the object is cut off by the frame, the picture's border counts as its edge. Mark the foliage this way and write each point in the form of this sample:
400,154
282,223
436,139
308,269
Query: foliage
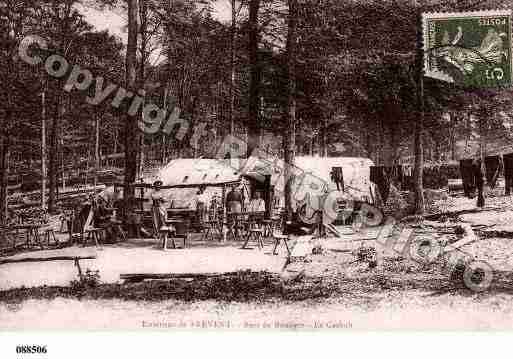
355,80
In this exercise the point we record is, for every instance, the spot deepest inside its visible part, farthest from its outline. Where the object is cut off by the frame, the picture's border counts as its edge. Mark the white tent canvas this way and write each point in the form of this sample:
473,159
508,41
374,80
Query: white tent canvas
313,175
196,171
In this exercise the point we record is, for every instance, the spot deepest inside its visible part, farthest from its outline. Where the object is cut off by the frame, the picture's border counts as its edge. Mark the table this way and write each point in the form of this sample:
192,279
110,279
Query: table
239,223
186,214
172,222
32,233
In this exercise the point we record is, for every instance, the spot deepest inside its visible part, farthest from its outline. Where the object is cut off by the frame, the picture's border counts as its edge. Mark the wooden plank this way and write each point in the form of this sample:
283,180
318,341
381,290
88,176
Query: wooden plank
436,216
149,276
45,259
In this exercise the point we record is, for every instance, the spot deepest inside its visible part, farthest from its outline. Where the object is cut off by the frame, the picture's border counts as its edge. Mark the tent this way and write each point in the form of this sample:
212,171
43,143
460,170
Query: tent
314,175
182,177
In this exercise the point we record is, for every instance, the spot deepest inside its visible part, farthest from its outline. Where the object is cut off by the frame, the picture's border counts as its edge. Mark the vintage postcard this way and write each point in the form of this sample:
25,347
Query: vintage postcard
255,165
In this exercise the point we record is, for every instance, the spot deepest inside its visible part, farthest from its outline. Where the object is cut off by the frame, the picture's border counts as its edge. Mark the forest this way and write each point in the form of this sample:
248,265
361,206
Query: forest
295,77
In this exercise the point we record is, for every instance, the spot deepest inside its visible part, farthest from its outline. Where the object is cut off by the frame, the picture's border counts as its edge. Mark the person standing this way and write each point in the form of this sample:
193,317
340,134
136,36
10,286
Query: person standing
160,204
201,204
234,200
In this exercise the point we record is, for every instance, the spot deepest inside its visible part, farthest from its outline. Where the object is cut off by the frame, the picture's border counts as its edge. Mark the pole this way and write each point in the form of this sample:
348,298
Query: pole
43,150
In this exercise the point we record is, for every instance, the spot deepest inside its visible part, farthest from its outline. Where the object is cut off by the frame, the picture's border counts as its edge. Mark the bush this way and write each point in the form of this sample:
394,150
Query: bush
91,279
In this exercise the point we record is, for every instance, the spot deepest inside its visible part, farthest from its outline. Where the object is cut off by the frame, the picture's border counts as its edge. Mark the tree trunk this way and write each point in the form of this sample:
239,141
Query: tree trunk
61,155
140,165
289,139
43,150
53,156
163,150
325,137
254,83
419,128
143,20
131,134
4,173
452,137
96,150
232,69
115,144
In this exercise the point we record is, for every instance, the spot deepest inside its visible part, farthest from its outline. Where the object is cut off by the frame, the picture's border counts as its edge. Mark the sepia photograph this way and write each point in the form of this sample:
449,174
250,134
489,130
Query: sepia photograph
255,165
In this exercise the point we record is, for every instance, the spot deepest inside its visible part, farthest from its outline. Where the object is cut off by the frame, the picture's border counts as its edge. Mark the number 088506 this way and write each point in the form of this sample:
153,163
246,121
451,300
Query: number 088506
31,349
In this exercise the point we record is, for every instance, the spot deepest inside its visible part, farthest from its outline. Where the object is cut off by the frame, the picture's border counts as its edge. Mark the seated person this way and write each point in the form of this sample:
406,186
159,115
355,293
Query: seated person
101,213
257,204
305,220
102,219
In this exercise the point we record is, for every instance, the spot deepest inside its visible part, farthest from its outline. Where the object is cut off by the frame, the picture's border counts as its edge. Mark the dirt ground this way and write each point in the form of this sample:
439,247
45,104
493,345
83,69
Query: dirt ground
138,256
333,288
333,293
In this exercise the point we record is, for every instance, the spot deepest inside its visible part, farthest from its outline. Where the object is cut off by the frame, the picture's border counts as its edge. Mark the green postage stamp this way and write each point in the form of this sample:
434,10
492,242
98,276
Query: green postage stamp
471,49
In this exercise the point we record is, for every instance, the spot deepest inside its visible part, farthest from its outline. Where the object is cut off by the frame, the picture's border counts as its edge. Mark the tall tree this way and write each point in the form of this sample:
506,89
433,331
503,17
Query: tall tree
254,81
289,142
418,170
64,28
9,38
233,38
131,130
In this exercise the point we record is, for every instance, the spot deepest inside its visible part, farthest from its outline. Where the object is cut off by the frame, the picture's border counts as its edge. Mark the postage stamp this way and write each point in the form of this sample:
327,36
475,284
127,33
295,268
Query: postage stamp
471,49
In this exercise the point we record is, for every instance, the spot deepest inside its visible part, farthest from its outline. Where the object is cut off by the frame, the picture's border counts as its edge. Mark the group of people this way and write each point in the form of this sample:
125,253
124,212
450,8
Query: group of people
107,216
107,212
161,203
235,201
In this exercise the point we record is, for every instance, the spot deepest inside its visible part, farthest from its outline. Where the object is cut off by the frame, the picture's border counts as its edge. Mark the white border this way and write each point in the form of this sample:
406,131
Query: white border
258,345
